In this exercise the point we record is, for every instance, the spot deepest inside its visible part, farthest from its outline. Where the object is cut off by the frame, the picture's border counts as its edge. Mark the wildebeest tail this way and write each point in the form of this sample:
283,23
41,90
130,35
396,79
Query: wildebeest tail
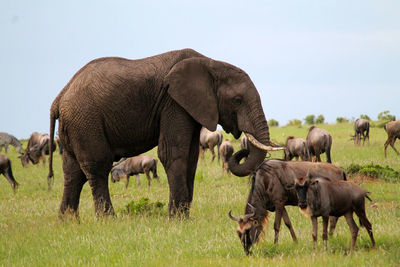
344,176
155,168
219,142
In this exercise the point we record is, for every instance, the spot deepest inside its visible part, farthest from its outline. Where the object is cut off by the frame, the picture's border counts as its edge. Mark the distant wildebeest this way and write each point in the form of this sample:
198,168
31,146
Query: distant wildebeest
319,141
5,169
134,166
325,197
272,189
37,149
244,142
208,140
361,130
8,139
226,151
392,129
295,148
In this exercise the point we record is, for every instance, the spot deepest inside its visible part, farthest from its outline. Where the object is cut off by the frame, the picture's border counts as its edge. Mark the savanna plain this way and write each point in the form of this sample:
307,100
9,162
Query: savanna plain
31,234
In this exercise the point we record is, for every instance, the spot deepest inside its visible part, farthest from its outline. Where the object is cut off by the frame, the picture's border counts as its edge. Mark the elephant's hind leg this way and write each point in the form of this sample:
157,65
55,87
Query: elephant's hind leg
74,179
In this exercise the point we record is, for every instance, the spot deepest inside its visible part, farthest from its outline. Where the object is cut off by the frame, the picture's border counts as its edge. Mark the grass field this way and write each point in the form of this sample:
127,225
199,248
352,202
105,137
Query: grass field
32,234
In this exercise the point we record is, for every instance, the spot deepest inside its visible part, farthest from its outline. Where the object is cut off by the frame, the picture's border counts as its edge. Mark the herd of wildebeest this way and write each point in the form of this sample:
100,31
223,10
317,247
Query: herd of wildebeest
115,109
319,189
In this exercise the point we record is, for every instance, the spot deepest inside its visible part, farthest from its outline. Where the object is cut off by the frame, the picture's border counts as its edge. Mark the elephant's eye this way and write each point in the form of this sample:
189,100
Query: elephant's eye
237,100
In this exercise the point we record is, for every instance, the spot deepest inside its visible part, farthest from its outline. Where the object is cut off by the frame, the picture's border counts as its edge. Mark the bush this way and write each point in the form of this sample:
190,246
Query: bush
273,122
143,206
374,170
309,119
386,116
366,117
320,119
341,120
294,122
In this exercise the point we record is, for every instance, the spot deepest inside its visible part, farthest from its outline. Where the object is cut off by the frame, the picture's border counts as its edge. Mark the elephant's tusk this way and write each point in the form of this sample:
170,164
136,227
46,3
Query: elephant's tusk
257,144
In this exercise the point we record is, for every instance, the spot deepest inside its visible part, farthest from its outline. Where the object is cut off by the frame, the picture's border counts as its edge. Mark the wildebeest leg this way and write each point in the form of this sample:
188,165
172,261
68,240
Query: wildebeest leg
325,230
328,154
147,172
6,148
277,224
353,228
314,230
332,224
137,179
127,181
392,145
366,223
387,143
10,178
288,223
74,179
213,153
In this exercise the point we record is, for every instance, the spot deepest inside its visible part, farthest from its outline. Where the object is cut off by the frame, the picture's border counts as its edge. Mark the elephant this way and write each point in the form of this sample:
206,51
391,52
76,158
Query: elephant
295,148
115,107
319,141
361,131
392,129
226,151
208,140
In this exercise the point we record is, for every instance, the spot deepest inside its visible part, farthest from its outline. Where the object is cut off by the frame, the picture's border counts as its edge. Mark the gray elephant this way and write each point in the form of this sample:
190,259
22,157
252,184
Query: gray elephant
133,166
361,131
226,151
208,140
115,107
295,148
319,141
392,129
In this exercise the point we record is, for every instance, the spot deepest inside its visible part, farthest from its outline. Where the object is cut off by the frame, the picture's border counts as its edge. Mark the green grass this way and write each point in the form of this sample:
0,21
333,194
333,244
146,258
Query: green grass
32,234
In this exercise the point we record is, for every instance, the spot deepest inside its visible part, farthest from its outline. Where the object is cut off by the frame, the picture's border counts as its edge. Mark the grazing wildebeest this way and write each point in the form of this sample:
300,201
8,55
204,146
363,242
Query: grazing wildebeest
392,129
5,169
361,130
226,151
326,197
272,189
319,141
8,139
208,140
134,166
295,148
37,149
244,142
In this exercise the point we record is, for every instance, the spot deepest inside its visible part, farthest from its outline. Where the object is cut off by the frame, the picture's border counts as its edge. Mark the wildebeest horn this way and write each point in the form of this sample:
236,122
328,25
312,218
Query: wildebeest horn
237,219
256,143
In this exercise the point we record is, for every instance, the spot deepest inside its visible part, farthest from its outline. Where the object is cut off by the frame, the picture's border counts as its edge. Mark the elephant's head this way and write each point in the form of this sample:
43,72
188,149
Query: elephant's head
215,92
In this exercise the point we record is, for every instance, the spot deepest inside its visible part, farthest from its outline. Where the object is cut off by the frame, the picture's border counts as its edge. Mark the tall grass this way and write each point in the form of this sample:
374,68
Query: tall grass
32,234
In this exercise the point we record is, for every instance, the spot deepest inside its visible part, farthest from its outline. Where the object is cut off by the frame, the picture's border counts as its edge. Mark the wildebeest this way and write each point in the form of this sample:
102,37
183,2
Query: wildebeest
134,166
392,129
295,148
8,139
226,151
37,148
208,140
319,141
361,130
326,197
60,147
5,169
272,189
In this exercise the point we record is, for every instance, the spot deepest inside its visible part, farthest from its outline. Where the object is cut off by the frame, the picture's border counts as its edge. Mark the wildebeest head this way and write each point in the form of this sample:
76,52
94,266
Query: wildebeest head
117,174
303,186
249,228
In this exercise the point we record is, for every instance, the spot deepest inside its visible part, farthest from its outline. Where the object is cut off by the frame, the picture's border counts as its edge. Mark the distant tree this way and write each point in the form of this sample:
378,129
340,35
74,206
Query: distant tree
366,117
386,116
272,122
341,120
309,119
294,122
320,119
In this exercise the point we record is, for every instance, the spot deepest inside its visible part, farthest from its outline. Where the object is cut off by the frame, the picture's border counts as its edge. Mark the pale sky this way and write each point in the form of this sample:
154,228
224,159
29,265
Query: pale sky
336,58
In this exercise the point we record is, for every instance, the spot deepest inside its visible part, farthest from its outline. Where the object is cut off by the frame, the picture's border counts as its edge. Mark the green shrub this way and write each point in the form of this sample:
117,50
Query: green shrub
143,206
309,119
366,117
374,170
386,116
341,120
294,122
273,123
320,119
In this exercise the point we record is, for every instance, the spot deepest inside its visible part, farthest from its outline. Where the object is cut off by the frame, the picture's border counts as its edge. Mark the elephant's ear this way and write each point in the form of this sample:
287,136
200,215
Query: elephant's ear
191,85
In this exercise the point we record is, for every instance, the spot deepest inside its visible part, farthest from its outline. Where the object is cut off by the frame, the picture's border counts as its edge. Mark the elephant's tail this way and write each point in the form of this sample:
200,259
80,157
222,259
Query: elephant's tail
54,114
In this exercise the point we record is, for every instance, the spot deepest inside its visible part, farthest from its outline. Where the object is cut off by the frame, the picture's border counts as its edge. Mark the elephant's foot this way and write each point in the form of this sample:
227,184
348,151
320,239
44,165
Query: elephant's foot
68,214
179,209
104,208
